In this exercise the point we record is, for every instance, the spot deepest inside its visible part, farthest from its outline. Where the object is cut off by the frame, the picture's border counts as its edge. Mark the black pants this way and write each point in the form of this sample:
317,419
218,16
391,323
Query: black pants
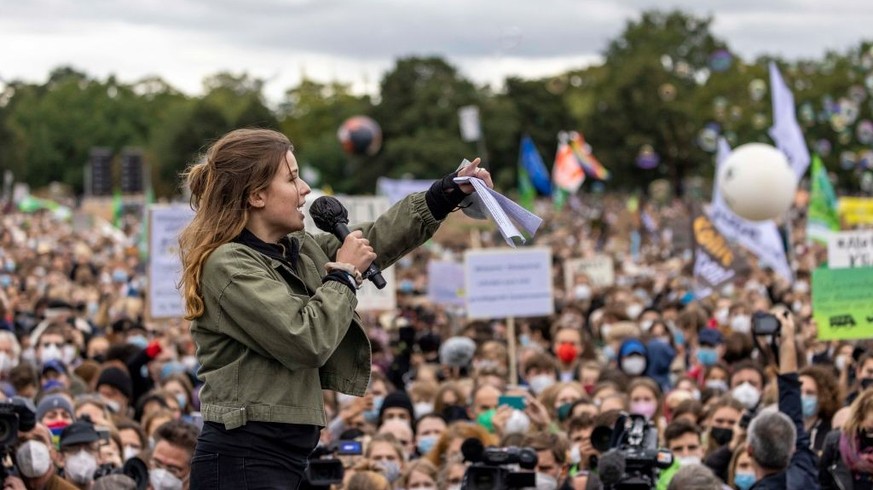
259,455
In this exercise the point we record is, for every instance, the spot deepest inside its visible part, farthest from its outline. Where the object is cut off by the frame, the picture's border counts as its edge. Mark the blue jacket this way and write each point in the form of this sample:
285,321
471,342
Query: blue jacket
802,471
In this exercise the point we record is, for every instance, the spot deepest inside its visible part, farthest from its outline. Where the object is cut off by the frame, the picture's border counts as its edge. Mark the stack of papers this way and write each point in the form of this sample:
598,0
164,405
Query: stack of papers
509,216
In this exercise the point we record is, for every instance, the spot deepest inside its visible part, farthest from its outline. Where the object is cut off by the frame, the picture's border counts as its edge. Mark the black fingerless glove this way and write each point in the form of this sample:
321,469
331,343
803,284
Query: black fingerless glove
444,196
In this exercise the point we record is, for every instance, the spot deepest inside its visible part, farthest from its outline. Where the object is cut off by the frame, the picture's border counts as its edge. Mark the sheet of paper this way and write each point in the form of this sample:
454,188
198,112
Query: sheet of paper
505,213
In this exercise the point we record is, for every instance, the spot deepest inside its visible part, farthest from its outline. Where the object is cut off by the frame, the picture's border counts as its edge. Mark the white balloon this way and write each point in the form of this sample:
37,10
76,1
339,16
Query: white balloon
757,182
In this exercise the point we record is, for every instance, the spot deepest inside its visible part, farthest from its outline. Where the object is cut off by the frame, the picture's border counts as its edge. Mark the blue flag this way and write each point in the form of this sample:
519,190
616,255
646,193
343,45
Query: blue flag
532,162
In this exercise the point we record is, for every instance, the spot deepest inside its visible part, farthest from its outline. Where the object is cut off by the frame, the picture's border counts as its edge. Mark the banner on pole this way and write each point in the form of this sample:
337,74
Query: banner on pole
504,283
842,303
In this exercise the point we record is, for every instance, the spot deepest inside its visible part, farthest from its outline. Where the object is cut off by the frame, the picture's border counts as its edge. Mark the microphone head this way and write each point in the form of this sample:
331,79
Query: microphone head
326,212
472,449
610,467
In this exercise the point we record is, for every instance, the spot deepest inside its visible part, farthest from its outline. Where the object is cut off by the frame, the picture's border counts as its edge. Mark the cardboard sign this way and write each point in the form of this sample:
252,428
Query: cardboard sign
850,249
842,303
371,298
599,269
165,268
504,283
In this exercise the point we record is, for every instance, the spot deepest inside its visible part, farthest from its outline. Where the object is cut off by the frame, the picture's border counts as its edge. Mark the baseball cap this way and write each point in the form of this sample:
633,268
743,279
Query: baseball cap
81,431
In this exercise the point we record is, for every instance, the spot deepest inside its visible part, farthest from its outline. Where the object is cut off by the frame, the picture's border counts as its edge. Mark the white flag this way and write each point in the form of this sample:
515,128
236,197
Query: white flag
785,130
759,237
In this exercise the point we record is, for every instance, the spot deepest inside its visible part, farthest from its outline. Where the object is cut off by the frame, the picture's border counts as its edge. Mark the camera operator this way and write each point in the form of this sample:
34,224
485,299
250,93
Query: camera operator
35,458
552,451
777,441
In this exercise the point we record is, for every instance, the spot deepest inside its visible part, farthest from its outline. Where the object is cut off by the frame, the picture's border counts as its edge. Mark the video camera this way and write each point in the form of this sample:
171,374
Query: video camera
16,414
630,457
324,469
494,468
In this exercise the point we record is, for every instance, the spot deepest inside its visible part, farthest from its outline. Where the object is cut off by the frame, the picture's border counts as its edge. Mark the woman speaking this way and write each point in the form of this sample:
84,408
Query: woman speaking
273,307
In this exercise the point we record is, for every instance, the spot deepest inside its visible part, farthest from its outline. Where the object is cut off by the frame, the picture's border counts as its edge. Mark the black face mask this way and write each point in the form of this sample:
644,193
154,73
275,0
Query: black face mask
721,435
455,412
866,383
865,440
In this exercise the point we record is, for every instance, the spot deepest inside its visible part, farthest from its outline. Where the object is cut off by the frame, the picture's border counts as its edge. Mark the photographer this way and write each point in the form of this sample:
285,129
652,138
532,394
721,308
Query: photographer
777,441
35,456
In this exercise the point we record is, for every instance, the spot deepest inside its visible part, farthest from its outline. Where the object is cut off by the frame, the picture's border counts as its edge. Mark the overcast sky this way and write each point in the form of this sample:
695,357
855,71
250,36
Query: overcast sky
356,40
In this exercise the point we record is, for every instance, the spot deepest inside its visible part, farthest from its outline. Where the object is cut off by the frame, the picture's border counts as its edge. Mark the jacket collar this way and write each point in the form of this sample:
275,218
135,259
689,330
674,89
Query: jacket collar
287,250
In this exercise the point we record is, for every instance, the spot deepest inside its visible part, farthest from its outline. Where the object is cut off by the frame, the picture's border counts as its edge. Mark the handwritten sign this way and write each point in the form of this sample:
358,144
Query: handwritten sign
842,303
599,270
850,249
509,283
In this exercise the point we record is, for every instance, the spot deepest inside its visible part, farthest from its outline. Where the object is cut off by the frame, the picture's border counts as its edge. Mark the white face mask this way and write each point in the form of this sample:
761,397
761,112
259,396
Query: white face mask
422,408
633,365
633,311
688,460
540,382
130,452
80,467
69,354
546,482
517,423
646,325
721,316
7,362
50,353
747,394
741,323
162,479
582,292
34,459
840,363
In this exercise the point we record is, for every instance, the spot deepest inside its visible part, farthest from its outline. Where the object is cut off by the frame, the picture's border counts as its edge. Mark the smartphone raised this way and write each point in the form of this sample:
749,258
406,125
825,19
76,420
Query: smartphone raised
514,401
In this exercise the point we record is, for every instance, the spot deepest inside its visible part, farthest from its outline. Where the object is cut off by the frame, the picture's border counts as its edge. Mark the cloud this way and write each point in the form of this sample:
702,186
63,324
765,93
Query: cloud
356,40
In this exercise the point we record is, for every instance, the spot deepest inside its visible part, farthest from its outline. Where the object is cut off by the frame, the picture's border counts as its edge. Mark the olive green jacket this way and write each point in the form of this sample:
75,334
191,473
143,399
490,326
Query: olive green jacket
271,338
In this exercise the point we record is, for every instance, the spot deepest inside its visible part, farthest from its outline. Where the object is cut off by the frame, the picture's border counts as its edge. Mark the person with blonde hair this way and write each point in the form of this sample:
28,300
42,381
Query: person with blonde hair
272,307
847,455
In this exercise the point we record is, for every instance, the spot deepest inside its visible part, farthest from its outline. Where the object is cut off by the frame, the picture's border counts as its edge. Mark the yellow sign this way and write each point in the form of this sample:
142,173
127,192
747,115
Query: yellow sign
856,210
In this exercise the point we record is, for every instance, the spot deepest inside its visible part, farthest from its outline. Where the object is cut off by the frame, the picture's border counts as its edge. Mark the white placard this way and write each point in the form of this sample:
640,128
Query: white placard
371,298
397,189
445,283
504,283
165,268
599,269
848,249
362,209
468,117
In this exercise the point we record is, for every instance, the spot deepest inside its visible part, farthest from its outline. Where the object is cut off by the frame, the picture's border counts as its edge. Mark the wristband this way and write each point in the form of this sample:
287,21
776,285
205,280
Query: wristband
354,275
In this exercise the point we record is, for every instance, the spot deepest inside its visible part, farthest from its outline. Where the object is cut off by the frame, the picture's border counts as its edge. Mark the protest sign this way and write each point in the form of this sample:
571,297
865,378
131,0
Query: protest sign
842,303
850,249
445,283
599,269
371,298
856,210
715,262
165,267
509,283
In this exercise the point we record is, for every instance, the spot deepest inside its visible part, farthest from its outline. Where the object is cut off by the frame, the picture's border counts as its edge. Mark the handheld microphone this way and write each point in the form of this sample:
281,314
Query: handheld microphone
330,216
472,449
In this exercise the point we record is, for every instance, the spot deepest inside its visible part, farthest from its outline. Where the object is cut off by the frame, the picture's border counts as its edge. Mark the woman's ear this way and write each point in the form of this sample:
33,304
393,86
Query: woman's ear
256,199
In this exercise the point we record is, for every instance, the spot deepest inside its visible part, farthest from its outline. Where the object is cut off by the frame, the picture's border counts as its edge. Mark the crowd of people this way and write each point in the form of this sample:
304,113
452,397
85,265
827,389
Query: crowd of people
115,394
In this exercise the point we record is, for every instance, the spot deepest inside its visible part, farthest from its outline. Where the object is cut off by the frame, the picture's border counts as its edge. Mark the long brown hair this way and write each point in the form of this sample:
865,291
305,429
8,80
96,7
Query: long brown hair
239,163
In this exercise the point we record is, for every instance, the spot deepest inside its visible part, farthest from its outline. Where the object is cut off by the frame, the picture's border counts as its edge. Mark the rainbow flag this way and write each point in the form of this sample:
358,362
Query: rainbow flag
567,175
592,166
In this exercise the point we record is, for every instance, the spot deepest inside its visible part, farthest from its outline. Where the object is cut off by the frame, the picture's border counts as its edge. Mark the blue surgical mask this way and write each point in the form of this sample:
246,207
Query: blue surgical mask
372,416
744,481
707,356
426,443
810,405
138,340
119,275
5,280
678,337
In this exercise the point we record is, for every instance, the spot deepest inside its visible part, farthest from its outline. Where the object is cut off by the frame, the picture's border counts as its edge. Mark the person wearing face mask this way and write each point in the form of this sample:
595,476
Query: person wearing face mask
820,400
115,386
428,430
847,456
710,347
387,453
552,465
419,475
776,440
632,358
10,352
747,383
35,458
722,419
539,372
567,346
80,450
171,459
